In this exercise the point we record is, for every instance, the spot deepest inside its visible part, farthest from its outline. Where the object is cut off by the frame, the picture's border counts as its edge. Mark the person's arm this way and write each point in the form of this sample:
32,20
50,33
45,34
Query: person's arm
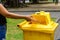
4,12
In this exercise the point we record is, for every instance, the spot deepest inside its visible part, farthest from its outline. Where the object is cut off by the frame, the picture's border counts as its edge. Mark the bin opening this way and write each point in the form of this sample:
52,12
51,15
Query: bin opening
41,17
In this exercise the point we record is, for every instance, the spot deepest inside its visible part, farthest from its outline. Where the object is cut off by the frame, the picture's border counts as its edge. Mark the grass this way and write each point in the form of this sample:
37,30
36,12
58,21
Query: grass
13,32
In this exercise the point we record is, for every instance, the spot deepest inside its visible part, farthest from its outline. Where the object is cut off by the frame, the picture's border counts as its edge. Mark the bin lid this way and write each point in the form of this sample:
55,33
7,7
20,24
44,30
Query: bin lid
50,28
44,24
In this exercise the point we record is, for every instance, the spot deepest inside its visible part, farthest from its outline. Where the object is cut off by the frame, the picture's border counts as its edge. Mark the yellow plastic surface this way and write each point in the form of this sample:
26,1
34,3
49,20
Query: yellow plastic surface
43,29
42,17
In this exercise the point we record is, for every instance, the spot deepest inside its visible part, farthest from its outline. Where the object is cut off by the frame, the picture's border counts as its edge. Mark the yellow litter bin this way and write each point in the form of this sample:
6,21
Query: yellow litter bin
42,29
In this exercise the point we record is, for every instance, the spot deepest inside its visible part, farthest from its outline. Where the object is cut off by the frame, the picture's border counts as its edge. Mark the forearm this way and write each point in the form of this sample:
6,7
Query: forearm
4,12
15,16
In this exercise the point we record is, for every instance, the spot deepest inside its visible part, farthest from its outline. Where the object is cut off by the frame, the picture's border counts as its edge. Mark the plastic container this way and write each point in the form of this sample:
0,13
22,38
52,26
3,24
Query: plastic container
42,29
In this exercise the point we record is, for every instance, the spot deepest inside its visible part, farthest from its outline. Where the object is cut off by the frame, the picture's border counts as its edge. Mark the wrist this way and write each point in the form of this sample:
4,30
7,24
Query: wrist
23,17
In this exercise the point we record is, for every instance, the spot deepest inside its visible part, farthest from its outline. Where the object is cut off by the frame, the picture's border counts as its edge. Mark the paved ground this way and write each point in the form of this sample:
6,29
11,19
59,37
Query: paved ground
53,14
51,7
38,7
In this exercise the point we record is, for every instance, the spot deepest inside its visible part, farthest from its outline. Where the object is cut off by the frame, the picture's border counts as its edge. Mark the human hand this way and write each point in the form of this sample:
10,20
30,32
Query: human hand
30,19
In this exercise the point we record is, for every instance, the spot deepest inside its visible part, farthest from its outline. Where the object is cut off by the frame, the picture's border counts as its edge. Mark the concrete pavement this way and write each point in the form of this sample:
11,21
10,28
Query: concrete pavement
38,7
